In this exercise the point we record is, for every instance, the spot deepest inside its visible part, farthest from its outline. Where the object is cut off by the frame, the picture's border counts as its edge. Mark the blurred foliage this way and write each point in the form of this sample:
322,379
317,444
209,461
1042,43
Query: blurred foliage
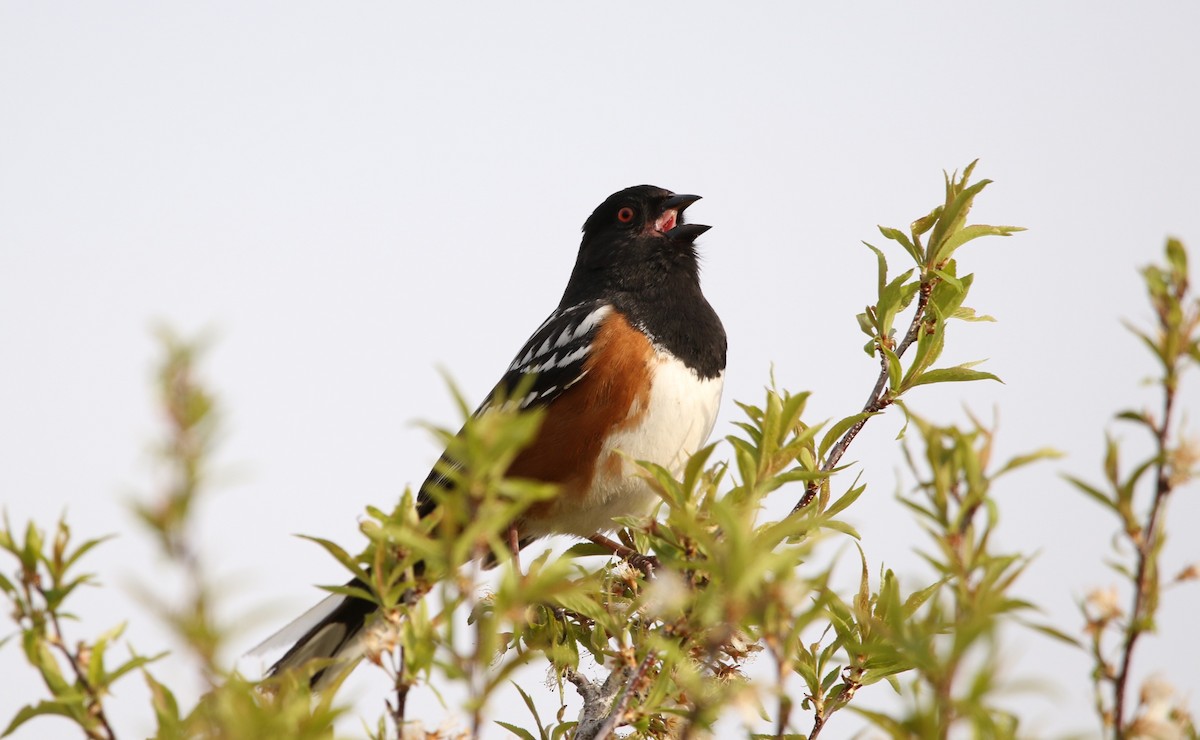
1138,501
80,678
656,638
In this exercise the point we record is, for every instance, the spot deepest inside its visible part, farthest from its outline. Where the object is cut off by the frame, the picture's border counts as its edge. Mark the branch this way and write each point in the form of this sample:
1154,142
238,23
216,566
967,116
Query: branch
596,720
851,683
401,687
95,706
1147,556
881,396
1174,345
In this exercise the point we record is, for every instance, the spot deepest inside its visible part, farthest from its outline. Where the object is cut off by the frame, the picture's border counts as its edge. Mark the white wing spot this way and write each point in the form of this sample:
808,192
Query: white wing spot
590,321
574,356
563,337
568,334
576,379
535,395
523,361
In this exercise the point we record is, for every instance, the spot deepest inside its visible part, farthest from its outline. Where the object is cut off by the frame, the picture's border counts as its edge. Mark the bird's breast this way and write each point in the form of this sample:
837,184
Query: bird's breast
634,401
664,426
672,421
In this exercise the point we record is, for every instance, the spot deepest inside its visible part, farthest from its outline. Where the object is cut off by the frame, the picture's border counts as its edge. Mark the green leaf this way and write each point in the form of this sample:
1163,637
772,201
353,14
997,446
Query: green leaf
1053,632
518,731
95,669
586,549
831,677
968,314
895,371
955,374
867,326
926,222
917,598
32,551
40,656
797,474
343,557
930,342
166,707
968,233
837,430
882,267
949,279
953,215
133,664
1138,417
845,500
900,237
840,526
1045,453
85,547
1177,257
697,462
532,710
42,708
892,299
1094,493
892,727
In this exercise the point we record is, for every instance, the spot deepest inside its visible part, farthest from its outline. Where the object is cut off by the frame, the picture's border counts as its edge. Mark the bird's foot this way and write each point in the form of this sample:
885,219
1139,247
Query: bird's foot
647,564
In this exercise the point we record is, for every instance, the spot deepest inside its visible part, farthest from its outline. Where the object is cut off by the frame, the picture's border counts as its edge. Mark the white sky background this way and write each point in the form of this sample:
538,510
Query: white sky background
353,195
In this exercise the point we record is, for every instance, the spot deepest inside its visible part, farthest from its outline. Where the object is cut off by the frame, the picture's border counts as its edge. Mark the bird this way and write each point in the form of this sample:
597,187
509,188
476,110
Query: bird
629,366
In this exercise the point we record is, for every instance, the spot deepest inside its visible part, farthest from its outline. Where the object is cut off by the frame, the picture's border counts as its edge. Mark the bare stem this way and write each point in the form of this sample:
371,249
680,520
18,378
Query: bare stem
785,707
818,725
473,668
397,710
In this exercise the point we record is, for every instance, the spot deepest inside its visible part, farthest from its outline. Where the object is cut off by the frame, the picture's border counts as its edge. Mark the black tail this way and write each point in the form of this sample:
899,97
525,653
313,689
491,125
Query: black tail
331,630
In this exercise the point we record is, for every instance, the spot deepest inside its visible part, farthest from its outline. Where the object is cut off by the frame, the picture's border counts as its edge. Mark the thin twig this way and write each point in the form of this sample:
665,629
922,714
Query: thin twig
880,397
785,701
647,564
1145,556
472,669
851,683
95,706
398,710
514,544
818,723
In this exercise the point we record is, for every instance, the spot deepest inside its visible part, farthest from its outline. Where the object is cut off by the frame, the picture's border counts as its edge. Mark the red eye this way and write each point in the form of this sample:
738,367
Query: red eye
625,215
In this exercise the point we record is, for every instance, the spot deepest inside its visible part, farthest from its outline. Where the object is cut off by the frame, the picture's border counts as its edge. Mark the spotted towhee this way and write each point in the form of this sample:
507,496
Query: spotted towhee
628,367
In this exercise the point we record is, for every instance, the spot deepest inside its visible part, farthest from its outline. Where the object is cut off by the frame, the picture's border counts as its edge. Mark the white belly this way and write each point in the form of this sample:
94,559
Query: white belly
678,418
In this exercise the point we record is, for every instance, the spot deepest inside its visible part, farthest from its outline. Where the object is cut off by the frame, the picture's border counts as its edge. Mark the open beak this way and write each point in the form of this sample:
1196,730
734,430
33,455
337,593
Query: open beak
669,223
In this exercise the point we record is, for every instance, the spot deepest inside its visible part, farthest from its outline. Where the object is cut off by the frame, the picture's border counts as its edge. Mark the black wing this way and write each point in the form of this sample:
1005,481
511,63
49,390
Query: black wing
554,357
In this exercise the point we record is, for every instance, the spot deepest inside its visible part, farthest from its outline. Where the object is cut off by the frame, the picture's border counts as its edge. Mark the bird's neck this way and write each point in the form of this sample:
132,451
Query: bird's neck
678,319
664,301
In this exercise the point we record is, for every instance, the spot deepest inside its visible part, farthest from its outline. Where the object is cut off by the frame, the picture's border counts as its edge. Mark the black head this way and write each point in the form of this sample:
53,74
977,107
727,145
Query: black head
642,210
635,239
